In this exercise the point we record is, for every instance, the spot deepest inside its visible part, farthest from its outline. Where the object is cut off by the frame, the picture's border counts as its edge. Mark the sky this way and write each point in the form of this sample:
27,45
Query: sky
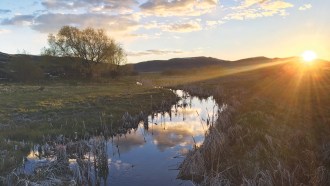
164,29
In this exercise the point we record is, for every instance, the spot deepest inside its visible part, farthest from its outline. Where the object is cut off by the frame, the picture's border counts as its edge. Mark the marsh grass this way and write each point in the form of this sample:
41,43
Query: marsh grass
275,130
77,112
90,165
23,107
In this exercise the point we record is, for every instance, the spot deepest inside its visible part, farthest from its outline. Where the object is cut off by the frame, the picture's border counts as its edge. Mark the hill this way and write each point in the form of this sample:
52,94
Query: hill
4,57
22,67
195,62
176,63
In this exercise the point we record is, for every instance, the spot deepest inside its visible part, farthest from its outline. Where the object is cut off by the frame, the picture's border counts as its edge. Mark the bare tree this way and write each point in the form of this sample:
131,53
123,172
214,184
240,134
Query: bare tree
91,45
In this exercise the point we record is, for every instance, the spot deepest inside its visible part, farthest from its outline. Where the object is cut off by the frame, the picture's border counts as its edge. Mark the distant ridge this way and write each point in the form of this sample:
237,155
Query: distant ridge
194,62
52,65
259,58
176,63
4,57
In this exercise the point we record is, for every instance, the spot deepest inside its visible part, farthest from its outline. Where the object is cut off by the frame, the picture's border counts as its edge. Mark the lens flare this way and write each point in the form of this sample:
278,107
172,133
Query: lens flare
309,56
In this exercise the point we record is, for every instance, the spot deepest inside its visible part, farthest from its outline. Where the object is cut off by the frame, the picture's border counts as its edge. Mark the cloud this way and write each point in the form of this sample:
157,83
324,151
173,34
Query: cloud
252,9
165,8
48,23
183,27
127,19
4,31
248,3
305,7
243,14
214,23
275,5
4,11
19,20
154,52
93,5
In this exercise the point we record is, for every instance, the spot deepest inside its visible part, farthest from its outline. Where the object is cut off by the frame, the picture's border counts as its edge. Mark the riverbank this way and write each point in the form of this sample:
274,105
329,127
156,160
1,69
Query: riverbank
275,131
30,113
145,150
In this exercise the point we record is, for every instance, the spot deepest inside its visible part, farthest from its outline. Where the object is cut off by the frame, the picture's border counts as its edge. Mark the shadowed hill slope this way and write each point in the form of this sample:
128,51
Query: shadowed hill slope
193,63
21,67
177,63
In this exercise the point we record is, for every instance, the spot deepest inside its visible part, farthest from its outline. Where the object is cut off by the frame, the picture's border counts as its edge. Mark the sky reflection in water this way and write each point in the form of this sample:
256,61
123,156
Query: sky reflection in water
152,157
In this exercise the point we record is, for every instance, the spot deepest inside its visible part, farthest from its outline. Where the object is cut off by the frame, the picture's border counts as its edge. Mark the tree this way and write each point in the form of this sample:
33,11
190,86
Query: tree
91,46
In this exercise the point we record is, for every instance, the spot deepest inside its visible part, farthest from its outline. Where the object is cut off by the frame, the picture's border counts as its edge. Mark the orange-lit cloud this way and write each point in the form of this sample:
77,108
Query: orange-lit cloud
252,9
165,8
183,27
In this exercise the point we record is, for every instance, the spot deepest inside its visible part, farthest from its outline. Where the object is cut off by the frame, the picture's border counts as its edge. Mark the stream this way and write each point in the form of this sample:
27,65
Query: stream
151,155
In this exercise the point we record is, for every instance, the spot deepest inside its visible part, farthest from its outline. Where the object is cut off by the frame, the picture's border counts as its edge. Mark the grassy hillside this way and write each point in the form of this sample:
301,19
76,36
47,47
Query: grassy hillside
22,68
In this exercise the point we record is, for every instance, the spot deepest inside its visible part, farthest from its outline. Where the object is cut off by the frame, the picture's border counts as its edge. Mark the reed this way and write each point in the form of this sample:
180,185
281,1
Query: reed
248,145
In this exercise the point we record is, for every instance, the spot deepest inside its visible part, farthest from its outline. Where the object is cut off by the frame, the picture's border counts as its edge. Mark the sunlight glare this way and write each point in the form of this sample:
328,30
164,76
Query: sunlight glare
309,56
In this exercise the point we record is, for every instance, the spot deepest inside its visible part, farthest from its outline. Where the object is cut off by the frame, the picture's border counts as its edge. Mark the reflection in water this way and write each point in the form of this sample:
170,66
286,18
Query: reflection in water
149,154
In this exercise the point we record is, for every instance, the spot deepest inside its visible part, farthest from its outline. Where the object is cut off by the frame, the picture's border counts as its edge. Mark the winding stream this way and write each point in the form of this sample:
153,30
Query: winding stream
151,155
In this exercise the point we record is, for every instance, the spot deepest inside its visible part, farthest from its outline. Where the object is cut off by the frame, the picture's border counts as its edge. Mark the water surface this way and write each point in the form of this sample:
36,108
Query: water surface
150,155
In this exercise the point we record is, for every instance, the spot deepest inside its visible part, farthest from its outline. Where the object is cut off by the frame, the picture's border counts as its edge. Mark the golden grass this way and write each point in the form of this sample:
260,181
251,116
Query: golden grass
275,132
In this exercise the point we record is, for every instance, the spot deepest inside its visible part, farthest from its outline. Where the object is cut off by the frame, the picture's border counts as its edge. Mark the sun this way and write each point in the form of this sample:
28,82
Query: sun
309,56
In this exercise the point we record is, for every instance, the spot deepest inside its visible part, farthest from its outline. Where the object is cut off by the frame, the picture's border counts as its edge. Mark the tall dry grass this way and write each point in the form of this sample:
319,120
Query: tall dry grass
260,139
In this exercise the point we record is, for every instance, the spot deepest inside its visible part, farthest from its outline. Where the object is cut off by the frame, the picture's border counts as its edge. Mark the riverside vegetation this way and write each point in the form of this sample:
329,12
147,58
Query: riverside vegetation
274,130
30,115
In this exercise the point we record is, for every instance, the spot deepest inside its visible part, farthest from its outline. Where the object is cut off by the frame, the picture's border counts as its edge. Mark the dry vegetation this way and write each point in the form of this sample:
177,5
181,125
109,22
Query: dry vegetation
275,130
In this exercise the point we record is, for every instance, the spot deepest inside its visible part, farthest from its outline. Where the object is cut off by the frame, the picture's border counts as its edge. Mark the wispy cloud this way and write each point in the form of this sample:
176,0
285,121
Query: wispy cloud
93,5
165,8
252,9
19,20
305,7
183,27
49,23
117,23
213,23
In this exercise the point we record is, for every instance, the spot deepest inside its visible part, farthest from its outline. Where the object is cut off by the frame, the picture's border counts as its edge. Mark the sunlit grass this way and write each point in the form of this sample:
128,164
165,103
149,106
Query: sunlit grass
281,125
